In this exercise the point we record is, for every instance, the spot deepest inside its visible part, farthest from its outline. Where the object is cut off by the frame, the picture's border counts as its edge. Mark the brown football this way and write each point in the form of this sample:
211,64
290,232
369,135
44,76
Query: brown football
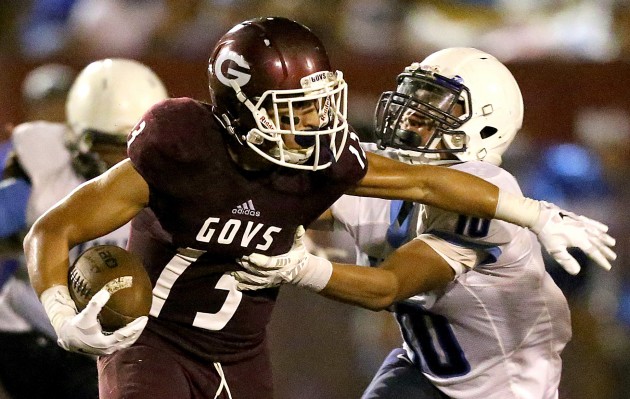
123,275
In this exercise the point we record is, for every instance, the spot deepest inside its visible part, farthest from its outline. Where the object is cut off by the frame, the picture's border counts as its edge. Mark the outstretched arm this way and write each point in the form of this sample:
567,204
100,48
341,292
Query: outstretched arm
413,268
444,188
466,194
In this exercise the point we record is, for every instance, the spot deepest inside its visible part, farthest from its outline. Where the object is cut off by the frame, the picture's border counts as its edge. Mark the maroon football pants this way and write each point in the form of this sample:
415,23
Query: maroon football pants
150,369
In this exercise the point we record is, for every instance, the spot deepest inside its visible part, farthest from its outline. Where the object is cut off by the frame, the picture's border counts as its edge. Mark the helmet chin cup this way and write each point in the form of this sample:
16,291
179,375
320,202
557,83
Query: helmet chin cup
416,157
291,156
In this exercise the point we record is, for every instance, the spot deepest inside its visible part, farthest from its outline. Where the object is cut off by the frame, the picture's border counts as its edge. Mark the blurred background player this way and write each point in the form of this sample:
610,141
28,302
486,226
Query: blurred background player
25,332
484,319
51,156
44,93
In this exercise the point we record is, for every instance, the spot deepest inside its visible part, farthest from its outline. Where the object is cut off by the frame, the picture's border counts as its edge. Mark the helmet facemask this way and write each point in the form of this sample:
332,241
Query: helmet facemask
461,79
93,151
327,92
428,102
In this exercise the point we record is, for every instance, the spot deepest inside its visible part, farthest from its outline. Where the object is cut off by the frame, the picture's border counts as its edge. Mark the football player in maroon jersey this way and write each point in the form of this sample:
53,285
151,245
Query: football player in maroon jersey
206,184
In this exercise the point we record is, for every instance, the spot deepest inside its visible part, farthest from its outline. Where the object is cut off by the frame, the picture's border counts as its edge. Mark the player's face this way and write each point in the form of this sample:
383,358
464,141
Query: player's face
424,126
305,117
419,124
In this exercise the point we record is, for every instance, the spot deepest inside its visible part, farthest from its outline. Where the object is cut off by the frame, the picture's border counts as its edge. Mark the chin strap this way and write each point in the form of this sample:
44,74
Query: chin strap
226,123
260,115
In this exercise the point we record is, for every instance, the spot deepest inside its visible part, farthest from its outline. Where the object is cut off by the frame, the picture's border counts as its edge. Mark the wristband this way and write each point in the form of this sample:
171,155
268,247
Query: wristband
315,275
58,305
517,209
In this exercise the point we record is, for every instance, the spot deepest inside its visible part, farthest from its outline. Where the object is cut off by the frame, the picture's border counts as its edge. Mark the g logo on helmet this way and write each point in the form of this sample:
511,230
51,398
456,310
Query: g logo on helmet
241,78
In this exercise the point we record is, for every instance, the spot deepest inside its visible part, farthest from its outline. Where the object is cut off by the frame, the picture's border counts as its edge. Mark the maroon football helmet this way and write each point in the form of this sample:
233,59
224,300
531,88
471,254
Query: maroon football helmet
276,63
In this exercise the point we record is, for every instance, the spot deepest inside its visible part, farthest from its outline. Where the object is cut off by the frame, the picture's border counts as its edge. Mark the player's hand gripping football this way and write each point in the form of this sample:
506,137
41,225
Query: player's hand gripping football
558,230
82,332
294,267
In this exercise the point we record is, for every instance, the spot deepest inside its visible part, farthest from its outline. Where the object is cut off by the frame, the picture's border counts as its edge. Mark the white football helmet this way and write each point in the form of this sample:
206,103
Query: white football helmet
105,102
108,98
436,91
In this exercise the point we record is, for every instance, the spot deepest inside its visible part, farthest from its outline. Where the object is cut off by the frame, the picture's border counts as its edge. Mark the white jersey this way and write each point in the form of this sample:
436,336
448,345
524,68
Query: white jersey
46,160
497,330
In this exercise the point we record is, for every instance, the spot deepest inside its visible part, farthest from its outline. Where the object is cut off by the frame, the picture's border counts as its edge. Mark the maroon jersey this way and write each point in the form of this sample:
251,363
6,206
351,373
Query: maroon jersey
204,213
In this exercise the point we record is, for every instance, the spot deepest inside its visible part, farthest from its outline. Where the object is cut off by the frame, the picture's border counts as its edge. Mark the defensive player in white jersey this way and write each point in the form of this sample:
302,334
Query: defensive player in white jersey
479,315
49,160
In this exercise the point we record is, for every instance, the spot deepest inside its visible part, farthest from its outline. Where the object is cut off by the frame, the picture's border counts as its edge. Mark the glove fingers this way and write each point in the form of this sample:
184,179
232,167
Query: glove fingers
98,301
608,253
594,251
132,329
261,260
126,336
252,269
604,248
248,278
567,262
248,287
608,240
89,316
246,281
598,258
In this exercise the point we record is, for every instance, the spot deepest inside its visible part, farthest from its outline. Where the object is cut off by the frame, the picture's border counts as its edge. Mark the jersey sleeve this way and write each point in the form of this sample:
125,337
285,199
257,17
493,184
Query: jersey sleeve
352,163
459,258
366,220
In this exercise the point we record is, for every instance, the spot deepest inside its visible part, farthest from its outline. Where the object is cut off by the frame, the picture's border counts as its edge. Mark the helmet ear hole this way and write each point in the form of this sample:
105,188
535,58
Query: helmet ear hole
487,131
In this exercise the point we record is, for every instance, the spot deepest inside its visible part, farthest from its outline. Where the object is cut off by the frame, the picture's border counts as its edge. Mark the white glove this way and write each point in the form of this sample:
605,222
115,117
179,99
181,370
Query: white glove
295,267
558,230
81,332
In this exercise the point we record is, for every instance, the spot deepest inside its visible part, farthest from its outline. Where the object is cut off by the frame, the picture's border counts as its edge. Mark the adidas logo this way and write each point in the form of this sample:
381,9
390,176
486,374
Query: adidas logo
246,208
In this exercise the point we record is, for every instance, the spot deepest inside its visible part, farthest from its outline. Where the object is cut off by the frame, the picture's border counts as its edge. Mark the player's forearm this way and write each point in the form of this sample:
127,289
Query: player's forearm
458,192
46,250
438,186
445,188
469,195
370,288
